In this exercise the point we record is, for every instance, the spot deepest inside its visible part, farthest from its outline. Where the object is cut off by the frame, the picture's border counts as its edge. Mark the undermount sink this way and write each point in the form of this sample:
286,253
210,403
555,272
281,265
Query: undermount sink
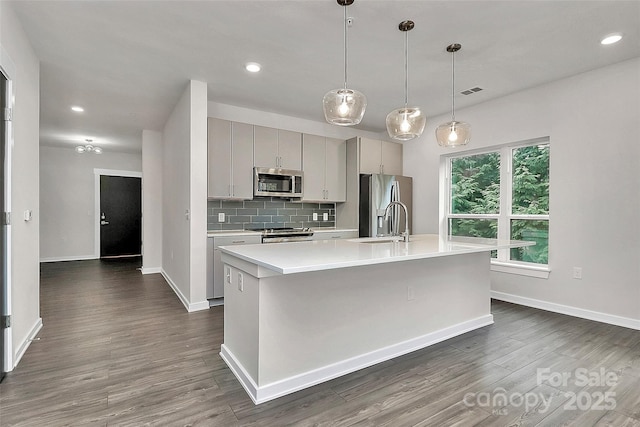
385,239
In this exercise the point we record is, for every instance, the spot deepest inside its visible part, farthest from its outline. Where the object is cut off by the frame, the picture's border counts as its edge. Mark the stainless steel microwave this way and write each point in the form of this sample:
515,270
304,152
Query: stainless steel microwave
277,182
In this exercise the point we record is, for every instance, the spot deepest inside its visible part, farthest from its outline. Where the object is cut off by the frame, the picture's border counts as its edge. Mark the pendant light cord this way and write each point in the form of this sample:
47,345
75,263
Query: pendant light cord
453,86
345,46
406,69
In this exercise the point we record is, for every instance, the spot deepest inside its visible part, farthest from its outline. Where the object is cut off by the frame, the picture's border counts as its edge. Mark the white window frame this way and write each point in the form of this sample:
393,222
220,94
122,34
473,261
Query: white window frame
502,263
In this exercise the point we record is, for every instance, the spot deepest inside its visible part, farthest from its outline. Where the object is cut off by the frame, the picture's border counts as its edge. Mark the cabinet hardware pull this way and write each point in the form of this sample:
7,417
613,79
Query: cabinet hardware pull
238,241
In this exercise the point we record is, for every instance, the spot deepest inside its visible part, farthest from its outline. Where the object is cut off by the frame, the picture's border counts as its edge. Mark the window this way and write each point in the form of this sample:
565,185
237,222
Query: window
501,192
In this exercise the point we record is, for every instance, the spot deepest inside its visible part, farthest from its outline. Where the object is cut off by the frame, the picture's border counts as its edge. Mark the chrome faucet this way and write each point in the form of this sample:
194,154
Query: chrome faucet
405,234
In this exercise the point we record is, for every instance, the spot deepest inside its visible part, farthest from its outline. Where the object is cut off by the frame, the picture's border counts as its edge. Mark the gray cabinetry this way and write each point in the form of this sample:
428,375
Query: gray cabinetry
335,234
324,161
230,160
380,157
215,274
277,148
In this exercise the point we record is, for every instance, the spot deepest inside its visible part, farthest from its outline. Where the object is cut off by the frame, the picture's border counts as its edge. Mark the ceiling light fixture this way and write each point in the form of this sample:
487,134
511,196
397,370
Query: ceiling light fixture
611,39
252,67
453,133
77,109
88,148
408,122
344,107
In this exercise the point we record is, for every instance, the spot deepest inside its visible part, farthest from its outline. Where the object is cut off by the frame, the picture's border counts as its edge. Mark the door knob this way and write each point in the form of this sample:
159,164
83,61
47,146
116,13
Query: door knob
104,222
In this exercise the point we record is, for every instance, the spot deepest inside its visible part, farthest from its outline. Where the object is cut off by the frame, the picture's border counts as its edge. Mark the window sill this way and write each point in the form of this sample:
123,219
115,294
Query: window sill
538,271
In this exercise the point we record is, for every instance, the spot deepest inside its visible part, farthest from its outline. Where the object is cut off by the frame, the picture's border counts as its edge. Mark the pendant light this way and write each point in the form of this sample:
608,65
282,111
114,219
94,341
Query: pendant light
344,107
453,133
408,122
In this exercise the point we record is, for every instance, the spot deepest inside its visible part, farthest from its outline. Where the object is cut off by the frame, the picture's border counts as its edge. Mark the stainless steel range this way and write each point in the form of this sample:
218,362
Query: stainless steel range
280,235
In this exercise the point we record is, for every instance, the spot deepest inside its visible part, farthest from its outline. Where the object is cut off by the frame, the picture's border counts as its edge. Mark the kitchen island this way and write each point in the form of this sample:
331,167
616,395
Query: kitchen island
298,314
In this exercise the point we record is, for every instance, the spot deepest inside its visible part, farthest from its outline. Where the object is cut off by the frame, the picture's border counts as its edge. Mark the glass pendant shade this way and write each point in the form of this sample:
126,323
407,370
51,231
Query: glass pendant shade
344,107
453,134
406,123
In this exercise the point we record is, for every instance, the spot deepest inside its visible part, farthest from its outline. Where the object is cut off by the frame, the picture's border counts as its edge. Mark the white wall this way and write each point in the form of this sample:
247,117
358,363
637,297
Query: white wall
67,199
280,121
593,121
198,192
184,197
19,60
151,202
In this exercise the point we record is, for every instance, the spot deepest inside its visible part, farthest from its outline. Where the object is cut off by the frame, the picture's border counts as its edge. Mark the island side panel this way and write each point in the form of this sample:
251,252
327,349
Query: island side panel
309,321
241,319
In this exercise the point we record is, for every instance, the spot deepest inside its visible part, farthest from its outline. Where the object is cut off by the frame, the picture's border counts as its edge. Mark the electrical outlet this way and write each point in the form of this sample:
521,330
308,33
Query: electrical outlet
325,216
221,217
577,272
227,274
315,216
410,293
240,282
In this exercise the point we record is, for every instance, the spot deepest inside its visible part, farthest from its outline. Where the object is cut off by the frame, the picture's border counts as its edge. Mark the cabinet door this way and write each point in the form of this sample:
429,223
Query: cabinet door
242,160
370,155
391,158
218,266
336,170
337,234
265,147
219,157
290,150
313,163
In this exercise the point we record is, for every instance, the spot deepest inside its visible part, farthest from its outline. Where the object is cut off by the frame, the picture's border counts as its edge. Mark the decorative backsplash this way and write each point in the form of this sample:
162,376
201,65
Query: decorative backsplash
267,212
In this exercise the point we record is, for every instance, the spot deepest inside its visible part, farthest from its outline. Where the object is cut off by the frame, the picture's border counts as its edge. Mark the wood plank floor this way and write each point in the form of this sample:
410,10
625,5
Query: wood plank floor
118,349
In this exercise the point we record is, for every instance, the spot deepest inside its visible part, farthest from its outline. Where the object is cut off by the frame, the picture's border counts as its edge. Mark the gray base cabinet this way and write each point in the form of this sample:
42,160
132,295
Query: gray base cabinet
215,268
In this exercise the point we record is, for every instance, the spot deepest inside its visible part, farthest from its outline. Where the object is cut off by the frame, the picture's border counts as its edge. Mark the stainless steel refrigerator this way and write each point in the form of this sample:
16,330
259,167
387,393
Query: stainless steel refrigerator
376,192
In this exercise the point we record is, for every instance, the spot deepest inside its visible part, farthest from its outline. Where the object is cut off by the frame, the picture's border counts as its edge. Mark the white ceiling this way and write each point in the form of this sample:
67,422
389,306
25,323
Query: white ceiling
128,62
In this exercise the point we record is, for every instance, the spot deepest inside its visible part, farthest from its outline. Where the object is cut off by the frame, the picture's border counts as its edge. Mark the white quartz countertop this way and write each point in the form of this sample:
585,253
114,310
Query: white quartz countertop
318,230
213,233
300,257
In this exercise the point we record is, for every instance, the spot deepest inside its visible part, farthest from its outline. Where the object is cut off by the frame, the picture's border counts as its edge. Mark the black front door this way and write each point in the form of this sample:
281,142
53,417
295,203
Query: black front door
120,216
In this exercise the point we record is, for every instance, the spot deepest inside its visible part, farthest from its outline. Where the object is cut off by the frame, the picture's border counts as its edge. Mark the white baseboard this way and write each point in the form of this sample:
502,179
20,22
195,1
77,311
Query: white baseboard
193,306
261,394
69,258
151,270
568,310
22,348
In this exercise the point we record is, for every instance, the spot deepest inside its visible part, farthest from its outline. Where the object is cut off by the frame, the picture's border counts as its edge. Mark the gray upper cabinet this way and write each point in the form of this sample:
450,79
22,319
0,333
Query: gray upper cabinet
324,162
230,160
275,148
380,157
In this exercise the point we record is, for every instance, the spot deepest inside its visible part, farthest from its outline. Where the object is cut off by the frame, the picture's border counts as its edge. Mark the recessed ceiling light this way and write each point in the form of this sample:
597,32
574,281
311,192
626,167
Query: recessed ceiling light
252,67
611,38
77,109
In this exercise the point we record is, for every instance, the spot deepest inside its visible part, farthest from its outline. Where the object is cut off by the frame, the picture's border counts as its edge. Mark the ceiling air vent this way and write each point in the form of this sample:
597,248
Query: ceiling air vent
472,90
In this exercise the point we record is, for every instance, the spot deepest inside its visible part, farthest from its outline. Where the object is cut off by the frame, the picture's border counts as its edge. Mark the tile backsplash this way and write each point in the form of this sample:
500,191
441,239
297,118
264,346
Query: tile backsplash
267,212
